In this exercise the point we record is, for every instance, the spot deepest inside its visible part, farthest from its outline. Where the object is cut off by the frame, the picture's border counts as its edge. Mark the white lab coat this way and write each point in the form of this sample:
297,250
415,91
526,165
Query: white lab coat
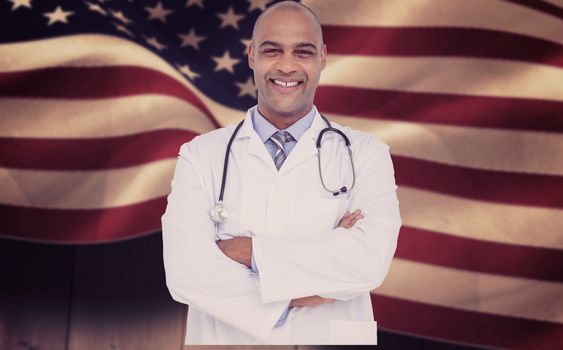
296,247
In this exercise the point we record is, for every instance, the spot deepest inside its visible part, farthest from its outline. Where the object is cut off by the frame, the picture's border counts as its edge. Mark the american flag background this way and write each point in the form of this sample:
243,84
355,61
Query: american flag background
97,96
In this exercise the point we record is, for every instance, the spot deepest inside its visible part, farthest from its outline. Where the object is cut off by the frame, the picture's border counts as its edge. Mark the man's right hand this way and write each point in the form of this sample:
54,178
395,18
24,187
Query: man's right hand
350,219
347,221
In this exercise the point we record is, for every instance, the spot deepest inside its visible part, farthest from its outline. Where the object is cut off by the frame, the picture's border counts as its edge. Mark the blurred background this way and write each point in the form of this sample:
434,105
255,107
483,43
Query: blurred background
97,96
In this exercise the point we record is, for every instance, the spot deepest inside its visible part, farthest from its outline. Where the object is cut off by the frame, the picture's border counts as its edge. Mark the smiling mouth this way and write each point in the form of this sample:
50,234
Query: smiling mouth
286,84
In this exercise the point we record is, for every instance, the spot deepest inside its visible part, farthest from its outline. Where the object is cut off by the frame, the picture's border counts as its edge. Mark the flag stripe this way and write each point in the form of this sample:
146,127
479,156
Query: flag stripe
447,75
94,153
82,226
479,256
86,189
137,149
541,6
506,150
445,109
463,326
508,17
471,291
557,3
95,82
455,42
490,222
486,185
108,117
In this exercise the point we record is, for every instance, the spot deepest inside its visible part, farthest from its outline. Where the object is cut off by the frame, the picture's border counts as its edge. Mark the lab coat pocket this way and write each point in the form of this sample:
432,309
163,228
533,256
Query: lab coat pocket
345,332
328,213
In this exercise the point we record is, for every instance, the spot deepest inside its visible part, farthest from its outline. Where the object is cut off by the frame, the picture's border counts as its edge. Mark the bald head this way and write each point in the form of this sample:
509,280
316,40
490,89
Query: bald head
287,56
288,8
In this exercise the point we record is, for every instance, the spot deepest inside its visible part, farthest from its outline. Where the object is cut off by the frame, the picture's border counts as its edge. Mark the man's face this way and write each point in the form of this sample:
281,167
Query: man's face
287,56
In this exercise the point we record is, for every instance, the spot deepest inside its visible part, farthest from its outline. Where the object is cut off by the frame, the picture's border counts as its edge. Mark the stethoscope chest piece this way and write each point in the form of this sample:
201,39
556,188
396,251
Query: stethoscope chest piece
219,213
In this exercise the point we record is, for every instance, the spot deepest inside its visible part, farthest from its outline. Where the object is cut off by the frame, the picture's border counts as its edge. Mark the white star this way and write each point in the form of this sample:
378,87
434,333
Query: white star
123,29
258,4
247,88
194,2
185,69
96,8
120,16
230,18
225,62
59,15
154,43
245,43
19,3
191,39
158,12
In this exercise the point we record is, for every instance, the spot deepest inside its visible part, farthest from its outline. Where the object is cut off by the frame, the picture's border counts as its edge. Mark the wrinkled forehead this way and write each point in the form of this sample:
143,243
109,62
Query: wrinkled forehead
288,26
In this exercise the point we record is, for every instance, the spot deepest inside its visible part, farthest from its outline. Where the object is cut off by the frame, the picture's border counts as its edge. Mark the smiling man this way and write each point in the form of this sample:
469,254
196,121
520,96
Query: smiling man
264,239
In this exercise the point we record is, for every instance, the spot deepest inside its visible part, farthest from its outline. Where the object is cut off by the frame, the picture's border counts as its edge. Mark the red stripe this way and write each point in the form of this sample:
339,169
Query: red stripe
487,185
457,110
453,42
480,256
82,226
540,5
468,327
92,154
95,83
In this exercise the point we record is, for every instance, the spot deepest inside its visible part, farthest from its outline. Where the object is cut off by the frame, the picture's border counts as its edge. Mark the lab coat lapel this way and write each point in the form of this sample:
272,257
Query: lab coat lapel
254,145
306,146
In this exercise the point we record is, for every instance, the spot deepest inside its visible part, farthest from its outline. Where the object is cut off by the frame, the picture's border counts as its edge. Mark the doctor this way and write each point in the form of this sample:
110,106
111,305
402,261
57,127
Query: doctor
292,263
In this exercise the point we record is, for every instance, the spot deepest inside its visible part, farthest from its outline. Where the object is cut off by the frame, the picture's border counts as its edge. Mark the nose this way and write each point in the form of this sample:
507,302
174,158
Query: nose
286,63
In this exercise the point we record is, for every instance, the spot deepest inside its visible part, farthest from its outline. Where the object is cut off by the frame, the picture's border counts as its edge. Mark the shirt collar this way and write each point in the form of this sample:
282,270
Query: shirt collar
265,129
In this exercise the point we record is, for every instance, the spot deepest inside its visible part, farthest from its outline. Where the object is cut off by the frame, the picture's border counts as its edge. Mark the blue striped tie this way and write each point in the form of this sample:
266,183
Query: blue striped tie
279,139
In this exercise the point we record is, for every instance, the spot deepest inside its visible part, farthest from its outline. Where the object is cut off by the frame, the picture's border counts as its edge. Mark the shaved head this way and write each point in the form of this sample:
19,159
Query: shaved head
289,5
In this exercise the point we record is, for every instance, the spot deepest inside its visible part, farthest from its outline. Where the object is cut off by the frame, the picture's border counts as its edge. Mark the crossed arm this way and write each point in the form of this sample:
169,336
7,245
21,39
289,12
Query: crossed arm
239,249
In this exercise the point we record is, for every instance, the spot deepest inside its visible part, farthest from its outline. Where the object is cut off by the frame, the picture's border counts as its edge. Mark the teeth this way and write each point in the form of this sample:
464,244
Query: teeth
285,84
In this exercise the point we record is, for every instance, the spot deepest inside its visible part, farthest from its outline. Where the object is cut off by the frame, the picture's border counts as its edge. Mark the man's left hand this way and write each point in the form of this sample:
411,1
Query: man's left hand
238,249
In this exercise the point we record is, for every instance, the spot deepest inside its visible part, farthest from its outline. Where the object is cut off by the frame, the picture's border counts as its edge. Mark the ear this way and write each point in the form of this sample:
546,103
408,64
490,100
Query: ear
323,57
250,54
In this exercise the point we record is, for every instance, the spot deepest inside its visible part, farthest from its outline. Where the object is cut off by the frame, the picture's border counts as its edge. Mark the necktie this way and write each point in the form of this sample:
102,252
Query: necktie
279,139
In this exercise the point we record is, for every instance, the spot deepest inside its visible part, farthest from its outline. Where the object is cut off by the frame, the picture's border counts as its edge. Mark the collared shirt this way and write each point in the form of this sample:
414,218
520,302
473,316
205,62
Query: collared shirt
265,130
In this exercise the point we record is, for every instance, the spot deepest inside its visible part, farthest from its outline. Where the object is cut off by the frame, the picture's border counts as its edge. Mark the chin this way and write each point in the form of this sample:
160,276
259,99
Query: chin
289,109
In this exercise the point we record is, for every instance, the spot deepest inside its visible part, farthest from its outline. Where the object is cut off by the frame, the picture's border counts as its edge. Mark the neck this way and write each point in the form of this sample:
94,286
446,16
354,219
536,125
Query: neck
282,121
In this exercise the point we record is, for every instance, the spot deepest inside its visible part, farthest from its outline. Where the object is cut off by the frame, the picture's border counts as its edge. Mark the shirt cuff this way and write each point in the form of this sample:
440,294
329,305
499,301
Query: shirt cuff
283,317
253,264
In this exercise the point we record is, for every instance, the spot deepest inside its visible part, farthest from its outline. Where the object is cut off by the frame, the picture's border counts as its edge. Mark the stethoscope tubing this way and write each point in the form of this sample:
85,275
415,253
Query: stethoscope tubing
219,207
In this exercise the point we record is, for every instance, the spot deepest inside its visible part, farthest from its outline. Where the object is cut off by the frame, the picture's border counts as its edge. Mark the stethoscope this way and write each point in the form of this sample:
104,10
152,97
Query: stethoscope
219,212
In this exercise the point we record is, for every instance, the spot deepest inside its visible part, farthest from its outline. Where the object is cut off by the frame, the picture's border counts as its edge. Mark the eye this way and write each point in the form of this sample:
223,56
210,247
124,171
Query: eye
271,52
303,53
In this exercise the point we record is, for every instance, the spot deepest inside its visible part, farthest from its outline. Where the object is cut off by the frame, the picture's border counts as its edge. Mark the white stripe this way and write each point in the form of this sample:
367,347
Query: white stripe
479,77
471,291
481,148
467,218
481,14
47,118
86,189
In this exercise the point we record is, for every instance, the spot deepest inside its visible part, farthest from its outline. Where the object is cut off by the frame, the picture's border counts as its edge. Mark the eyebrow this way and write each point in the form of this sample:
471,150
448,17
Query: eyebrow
296,46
